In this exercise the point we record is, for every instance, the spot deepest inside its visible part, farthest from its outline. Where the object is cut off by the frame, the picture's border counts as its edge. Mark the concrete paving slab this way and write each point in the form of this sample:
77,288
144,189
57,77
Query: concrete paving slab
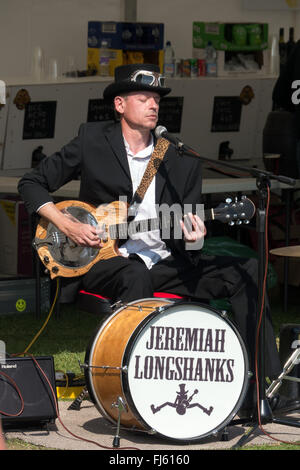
86,429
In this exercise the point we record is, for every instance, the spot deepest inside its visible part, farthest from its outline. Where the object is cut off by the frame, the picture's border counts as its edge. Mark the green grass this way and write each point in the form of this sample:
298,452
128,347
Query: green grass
65,337
18,444
295,446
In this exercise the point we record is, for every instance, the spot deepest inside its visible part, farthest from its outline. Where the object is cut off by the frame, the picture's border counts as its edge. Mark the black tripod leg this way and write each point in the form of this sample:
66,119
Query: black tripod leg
287,422
245,437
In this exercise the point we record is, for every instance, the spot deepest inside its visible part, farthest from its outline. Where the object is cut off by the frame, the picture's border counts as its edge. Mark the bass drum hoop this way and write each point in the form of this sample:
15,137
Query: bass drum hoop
127,354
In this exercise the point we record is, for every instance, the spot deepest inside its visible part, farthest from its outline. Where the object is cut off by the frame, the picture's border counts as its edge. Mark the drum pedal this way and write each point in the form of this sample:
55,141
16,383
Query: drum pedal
121,406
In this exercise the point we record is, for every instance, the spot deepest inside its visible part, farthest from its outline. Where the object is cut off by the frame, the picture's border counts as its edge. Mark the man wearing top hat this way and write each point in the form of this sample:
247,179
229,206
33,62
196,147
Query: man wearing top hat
111,158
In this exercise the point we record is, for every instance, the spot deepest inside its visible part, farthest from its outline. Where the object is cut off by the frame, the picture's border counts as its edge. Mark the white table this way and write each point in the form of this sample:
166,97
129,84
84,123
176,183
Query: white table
9,184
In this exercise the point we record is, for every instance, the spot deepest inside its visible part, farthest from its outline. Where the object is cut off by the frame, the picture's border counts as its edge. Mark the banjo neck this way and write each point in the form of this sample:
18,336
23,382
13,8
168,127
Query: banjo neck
239,211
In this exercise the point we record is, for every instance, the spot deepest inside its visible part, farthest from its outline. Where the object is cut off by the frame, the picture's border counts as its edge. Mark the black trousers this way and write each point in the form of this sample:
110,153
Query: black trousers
215,277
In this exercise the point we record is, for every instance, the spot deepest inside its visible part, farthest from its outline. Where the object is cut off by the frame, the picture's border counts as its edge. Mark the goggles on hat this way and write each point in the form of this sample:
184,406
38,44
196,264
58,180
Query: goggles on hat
145,77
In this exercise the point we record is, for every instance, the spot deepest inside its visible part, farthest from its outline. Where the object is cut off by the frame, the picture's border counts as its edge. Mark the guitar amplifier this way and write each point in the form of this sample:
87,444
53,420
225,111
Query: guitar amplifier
18,296
26,398
289,341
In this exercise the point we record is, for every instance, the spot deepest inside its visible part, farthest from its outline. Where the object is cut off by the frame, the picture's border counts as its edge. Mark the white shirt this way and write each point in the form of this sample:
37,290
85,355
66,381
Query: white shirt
148,245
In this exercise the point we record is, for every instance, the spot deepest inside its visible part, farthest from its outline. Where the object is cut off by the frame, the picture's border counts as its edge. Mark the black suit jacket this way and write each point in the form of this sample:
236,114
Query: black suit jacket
98,155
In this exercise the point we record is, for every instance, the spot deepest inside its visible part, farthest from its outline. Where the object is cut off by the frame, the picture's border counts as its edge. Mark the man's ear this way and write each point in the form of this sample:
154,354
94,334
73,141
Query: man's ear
119,104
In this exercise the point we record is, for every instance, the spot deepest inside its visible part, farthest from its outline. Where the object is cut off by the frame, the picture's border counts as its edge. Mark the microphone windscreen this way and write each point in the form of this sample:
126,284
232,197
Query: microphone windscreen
159,131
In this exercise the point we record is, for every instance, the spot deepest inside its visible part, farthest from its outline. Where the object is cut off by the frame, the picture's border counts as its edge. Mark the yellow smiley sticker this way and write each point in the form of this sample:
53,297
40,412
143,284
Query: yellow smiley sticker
21,305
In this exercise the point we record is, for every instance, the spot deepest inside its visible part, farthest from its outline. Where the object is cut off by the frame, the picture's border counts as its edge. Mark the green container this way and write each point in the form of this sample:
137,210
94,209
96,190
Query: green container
226,246
239,35
225,36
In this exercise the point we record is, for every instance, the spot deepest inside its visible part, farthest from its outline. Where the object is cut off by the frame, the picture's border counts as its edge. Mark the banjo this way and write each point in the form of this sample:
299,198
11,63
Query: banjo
62,257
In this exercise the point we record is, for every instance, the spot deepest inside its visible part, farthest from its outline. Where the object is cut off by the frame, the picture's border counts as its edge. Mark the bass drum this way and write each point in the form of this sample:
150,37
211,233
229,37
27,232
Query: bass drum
180,368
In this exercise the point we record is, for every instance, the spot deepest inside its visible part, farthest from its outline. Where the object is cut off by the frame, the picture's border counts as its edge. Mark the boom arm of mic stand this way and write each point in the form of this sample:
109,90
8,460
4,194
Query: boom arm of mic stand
255,172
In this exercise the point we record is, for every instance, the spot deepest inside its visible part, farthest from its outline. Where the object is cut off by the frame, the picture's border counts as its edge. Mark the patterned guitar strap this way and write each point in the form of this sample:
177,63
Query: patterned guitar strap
157,156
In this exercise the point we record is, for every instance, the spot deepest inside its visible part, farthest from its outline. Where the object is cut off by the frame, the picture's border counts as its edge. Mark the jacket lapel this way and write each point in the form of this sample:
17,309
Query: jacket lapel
115,139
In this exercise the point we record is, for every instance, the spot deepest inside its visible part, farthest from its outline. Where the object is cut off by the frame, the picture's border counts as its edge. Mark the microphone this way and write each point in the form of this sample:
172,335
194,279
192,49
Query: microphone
161,131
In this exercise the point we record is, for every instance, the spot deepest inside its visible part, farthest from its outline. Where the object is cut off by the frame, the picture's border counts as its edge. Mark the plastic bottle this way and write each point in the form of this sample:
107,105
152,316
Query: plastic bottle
104,59
274,57
211,60
169,60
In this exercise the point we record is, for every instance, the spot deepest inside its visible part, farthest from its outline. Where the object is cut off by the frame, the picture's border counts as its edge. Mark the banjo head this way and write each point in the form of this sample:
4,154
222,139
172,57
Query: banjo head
63,250
60,255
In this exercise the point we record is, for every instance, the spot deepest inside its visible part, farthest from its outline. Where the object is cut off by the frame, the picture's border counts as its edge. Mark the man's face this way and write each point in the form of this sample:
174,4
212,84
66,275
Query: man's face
139,109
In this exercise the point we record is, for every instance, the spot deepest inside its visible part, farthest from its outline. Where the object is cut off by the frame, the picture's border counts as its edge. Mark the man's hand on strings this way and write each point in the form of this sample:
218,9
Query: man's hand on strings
193,228
80,233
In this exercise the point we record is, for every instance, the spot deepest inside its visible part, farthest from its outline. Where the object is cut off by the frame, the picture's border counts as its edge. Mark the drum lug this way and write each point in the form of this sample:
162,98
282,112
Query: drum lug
120,404
224,313
82,366
117,305
152,432
160,309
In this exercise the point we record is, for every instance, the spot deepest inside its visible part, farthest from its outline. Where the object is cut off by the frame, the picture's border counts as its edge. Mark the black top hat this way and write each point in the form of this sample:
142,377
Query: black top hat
182,389
124,81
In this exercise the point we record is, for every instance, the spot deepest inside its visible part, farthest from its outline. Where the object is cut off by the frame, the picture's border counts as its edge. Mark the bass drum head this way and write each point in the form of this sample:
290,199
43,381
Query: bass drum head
186,371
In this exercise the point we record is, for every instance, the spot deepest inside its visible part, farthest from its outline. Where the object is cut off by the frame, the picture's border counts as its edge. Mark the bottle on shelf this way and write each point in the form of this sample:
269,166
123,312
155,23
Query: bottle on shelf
169,60
291,42
274,55
211,60
104,59
282,49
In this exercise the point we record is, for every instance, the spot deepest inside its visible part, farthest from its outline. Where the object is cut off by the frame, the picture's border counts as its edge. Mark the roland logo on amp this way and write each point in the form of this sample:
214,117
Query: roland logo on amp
8,366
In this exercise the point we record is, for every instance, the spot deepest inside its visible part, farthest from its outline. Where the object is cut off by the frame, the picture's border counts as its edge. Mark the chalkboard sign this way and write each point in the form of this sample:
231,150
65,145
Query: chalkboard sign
99,110
170,113
226,114
39,120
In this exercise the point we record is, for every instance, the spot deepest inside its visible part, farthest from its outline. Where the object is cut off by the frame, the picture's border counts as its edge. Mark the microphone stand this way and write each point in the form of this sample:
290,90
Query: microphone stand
263,413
